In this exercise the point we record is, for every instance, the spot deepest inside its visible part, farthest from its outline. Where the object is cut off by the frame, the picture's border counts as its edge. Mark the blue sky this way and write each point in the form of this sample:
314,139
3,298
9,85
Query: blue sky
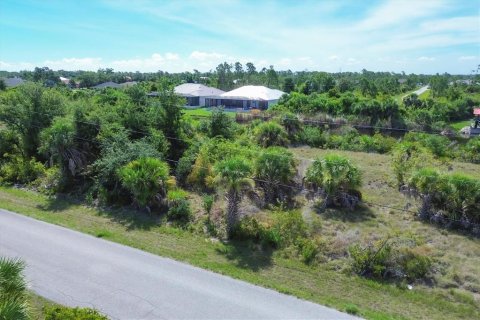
421,36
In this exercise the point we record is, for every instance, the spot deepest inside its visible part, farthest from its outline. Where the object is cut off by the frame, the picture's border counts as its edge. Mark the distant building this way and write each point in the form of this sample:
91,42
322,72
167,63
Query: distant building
246,97
108,84
196,93
65,80
128,84
13,82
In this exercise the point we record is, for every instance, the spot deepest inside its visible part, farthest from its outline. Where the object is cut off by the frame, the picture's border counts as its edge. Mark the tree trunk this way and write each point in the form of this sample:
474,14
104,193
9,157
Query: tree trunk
233,198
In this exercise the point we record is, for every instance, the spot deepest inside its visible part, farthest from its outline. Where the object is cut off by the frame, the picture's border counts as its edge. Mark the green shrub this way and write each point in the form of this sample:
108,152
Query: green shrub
471,151
455,195
407,157
180,212
145,178
250,229
337,179
20,170
290,226
292,125
352,309
373,260
13,290
185,164
9,142
208,203
116,152
308,250
437,145
67,313
220,124
390,258
269,134
275,169
50,182
415,266
313,137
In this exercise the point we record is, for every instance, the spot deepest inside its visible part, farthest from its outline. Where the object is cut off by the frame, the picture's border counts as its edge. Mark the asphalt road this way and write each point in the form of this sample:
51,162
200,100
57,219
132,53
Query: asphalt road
75,269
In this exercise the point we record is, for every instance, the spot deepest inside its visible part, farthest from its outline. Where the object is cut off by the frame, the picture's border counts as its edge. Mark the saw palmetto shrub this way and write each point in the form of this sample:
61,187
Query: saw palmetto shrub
448,199
335,180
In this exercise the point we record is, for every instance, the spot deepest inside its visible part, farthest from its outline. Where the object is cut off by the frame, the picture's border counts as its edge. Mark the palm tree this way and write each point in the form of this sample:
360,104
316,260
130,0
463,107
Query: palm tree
233,175
274,170
13,290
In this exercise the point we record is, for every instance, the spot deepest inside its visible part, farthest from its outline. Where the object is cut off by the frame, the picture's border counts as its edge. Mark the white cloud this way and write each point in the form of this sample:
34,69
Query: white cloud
394,12
172,56
203,56
470,24
467,58
424,58
333,58
74,64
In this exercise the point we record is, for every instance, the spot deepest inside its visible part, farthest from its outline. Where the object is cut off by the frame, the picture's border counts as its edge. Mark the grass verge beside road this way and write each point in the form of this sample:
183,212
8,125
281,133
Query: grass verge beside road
242,261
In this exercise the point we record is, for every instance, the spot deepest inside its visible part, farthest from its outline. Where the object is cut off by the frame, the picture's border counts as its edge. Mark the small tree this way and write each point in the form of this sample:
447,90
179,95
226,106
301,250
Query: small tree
336,179
233,175
269,134
220,124
58,143
146,179
274,171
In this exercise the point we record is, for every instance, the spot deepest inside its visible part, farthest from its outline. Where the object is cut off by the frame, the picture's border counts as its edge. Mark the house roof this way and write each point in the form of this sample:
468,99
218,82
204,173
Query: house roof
253,93
128,84
196,90
108,84
13,82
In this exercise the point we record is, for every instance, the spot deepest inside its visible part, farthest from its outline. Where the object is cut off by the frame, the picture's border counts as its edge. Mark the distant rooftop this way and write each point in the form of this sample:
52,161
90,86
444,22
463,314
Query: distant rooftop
109,84
128,84
254,93
13,82
196,90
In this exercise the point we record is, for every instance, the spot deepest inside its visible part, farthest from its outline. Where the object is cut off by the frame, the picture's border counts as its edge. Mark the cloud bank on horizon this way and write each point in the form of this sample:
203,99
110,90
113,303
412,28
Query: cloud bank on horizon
427,36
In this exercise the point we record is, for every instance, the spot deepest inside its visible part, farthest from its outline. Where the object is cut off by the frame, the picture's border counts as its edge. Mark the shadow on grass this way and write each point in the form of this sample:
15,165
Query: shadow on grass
58,204
362,213
247,255
130,218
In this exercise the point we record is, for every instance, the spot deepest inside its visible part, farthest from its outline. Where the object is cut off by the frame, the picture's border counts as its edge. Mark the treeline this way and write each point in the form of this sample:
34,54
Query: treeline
227,76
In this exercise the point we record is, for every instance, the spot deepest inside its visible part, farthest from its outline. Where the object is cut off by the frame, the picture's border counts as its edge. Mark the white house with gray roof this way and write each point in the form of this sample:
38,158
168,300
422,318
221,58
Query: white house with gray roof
196,93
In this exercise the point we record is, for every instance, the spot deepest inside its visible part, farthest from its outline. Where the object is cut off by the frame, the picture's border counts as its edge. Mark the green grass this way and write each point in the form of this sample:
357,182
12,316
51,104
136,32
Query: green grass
36,304
329,283
460,124
425,95
203,112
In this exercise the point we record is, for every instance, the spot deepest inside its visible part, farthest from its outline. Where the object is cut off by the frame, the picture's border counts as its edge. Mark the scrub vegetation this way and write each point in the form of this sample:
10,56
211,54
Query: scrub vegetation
314,197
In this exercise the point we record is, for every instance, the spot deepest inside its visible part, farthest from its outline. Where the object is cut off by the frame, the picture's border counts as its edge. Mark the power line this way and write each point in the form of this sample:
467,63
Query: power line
299,189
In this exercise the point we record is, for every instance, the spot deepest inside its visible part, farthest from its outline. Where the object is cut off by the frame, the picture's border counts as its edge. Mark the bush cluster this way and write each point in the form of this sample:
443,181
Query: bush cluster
387,259
67,313
448,199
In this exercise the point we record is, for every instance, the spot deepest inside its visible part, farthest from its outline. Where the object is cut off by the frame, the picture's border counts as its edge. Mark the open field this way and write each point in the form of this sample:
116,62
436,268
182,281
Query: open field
452,293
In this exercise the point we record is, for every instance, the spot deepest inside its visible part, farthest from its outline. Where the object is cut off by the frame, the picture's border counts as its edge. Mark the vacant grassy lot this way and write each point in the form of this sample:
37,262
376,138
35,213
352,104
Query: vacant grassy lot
203,112
460,124
452,293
